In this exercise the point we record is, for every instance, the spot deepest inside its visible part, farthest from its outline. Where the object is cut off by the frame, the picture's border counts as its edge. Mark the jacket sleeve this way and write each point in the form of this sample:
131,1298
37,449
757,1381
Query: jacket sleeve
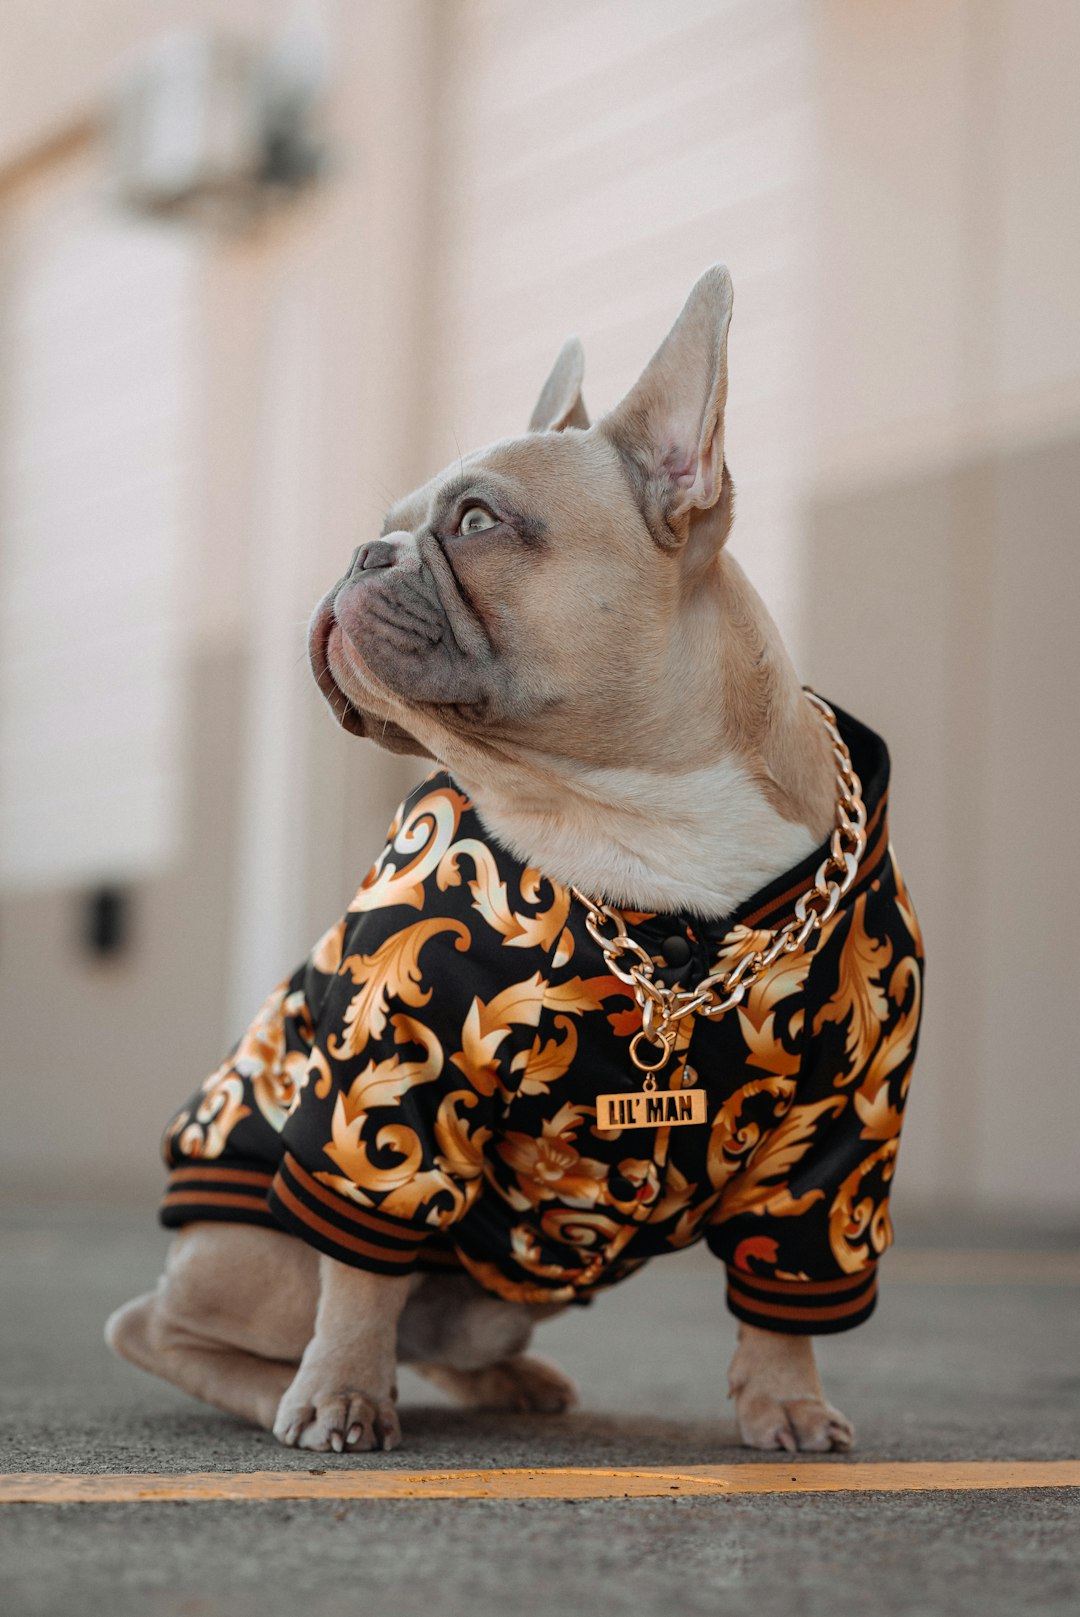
404,1085
802,1227
222,1147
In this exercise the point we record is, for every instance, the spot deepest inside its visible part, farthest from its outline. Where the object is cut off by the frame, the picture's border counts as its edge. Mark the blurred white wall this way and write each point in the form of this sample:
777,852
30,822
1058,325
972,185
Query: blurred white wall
941,553
889,186
594,160
101,322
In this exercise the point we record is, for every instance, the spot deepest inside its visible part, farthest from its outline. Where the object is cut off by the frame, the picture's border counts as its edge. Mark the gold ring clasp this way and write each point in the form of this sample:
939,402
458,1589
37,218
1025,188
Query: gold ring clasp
639,1061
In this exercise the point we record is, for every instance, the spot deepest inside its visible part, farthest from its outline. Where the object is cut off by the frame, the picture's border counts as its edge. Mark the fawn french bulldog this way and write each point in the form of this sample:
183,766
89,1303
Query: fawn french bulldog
636,967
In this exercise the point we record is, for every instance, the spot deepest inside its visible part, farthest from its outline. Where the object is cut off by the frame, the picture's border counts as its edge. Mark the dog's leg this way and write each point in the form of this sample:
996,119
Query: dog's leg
469,1343
779,1399
239,1383
522,1383
234,1315
229,1320
344,1391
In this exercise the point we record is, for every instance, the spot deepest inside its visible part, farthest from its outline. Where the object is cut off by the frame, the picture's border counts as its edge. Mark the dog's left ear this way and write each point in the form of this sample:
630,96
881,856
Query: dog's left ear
560,403
669,428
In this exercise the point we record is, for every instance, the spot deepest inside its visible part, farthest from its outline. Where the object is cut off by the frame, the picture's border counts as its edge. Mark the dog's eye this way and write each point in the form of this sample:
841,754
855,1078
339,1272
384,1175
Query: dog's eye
476,519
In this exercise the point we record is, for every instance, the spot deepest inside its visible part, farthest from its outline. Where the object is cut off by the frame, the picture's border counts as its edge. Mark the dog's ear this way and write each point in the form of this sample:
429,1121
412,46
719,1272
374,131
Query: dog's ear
669,428
560,403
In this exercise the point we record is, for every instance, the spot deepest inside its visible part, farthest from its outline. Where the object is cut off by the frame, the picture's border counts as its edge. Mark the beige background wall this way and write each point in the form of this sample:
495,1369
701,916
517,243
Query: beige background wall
596,158
942,526
888,185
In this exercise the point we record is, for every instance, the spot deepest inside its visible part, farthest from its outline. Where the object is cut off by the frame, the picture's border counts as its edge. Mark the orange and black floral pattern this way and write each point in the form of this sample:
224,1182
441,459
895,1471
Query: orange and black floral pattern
421,1092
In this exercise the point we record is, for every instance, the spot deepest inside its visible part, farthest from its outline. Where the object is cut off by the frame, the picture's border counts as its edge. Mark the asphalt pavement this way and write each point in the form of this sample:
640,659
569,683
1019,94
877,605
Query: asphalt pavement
973,1355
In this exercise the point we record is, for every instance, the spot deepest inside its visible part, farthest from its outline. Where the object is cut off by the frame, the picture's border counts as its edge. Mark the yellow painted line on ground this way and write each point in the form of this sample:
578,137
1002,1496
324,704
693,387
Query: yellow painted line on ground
357,1482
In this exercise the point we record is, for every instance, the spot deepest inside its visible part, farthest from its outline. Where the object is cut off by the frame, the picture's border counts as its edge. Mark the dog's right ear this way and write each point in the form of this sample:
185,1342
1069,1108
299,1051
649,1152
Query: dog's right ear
669,429
560,403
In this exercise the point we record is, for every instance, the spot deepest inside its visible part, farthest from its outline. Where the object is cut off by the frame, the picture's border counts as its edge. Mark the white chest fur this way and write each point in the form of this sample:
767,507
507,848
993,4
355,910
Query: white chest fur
702,841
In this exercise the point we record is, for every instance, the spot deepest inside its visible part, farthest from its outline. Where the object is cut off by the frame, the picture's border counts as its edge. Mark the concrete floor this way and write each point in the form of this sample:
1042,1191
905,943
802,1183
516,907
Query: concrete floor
960,1371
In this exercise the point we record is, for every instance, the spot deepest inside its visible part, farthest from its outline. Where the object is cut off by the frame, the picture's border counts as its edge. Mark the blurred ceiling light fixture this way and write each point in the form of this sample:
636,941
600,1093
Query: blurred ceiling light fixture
217,128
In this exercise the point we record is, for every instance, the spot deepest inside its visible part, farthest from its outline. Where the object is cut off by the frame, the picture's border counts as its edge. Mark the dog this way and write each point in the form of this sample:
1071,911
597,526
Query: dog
635,968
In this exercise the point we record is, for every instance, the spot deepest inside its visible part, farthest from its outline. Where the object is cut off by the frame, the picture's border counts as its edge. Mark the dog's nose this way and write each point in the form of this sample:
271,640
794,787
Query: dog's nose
376,553
396,549
388,551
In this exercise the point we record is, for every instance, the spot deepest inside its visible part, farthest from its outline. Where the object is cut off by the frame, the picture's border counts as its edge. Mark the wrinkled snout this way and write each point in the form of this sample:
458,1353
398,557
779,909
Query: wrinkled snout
396,626
389,599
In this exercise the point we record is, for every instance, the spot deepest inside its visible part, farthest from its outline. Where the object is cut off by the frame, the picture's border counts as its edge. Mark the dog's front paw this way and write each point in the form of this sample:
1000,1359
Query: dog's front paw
810,1424
328,1418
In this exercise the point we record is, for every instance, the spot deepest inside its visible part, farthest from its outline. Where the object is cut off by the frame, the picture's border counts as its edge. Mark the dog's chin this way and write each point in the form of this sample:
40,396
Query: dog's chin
351,714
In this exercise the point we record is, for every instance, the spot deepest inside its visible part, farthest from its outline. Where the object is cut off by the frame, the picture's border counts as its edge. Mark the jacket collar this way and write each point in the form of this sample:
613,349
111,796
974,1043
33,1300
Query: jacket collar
774,904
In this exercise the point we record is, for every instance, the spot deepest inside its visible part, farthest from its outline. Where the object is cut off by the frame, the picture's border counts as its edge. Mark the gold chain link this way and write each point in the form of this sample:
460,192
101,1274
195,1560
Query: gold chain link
662,1009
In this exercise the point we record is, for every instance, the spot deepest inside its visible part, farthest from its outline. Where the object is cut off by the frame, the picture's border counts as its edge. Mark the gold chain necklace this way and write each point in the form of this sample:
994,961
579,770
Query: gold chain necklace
662,1009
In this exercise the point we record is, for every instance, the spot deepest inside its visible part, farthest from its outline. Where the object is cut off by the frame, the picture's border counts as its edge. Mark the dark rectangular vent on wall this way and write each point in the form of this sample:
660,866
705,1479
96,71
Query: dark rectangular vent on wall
105,928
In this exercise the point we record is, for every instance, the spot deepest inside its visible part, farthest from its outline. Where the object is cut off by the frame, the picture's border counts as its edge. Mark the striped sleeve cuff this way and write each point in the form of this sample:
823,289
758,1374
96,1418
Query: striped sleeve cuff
232,1193
340,1228
802,1307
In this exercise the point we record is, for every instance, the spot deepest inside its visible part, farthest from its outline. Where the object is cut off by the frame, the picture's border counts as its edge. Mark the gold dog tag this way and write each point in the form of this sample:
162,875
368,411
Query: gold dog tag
651,1109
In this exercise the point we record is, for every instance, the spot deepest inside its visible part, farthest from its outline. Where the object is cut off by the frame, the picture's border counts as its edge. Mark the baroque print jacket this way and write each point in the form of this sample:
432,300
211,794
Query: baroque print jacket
421,1092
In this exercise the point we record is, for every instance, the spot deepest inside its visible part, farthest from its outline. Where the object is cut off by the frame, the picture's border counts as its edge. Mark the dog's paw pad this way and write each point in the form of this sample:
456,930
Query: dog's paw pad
817,1426
338,1423
803,1425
